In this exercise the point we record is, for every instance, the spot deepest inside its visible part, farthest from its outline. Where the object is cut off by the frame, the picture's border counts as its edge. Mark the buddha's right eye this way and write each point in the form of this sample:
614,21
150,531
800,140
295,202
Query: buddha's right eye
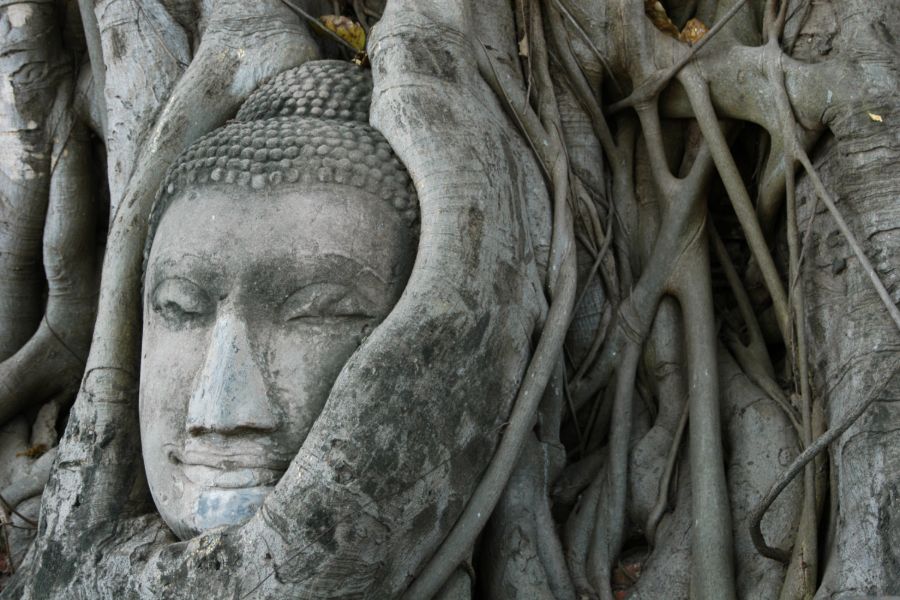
179,301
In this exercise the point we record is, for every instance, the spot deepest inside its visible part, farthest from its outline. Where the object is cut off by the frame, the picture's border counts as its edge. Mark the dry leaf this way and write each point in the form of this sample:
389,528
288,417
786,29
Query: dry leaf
361,60
693,30
347,29
34,451
523,46
657,13
876,118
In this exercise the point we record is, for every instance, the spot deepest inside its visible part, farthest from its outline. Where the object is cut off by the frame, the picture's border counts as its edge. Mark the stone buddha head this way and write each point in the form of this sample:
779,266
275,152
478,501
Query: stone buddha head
276,244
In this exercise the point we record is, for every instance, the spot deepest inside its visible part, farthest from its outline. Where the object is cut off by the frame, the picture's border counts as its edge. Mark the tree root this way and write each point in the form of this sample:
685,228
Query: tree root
51,363
712,571
562,280
652,86
609,529
799,463
737,192
662,500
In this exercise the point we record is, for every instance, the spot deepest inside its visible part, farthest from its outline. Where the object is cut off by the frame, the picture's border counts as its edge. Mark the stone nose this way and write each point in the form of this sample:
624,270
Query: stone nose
229,396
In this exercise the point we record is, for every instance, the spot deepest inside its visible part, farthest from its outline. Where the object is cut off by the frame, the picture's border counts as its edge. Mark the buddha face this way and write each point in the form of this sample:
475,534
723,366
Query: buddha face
251,309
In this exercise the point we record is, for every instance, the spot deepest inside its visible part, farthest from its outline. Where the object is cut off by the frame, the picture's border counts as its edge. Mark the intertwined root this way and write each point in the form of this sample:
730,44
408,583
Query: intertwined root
591,490
674,264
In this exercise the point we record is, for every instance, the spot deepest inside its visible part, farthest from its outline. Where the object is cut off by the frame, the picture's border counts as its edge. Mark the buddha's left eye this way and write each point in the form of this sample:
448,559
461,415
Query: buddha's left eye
322,301
179,300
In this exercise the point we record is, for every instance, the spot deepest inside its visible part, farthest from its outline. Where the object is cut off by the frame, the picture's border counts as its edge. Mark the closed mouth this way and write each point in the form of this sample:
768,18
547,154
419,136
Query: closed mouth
223,469
230,478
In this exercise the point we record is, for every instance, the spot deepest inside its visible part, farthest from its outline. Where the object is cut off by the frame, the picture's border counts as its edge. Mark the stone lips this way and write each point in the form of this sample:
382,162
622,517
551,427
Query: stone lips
306,126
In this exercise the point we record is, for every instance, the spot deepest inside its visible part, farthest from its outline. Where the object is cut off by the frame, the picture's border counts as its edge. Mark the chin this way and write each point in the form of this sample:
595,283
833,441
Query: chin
216,507
205,508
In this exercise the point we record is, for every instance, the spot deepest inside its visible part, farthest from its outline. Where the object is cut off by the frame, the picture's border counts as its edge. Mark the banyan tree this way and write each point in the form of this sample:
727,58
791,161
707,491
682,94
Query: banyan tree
543,299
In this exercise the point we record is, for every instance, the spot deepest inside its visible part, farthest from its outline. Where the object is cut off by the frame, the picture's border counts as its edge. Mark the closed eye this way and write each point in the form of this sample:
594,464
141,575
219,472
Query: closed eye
319,302
180,301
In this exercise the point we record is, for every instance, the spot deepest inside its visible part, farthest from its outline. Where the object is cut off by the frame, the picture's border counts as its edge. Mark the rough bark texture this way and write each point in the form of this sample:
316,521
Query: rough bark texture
34,95
617,337
856,348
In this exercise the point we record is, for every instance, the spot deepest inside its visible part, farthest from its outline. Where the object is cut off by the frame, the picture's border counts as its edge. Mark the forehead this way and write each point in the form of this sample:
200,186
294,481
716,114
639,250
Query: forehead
236,227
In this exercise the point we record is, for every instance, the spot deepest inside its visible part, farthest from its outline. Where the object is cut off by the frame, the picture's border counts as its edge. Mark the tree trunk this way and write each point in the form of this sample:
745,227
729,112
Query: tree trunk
656,279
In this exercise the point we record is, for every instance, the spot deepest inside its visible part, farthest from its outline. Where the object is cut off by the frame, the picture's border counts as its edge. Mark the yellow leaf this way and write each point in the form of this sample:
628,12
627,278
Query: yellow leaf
347,29
692,31
876,118
523,46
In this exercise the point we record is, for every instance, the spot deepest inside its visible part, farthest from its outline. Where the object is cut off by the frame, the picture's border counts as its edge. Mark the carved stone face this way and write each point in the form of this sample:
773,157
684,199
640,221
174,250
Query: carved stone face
251,309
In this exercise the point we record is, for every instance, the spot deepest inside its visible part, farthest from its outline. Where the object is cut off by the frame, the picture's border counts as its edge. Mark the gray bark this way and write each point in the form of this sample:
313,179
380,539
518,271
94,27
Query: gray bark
856,351
569,379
